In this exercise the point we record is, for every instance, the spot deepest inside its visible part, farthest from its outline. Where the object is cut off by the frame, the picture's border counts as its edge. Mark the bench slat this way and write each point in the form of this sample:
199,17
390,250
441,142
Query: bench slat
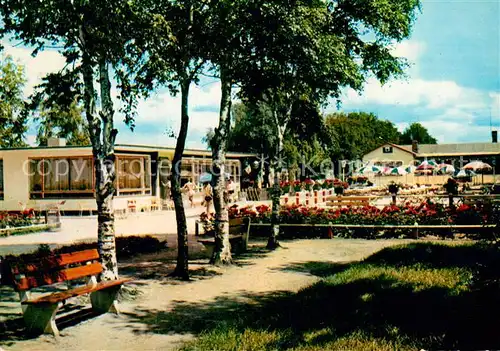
64,295
54,262
236,222
30,282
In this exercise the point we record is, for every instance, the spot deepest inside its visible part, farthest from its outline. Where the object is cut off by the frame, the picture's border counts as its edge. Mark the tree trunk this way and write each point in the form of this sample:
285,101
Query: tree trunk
272,242
222,250
105,179
182,268
104,169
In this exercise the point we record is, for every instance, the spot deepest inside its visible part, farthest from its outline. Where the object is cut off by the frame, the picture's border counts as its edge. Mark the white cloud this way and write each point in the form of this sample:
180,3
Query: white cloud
413,92
411,50
163,107
495,105
456,131
47,61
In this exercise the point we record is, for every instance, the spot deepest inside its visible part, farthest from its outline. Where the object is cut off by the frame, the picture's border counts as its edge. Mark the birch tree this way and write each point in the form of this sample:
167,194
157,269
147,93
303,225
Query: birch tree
168,53
92,36
314,49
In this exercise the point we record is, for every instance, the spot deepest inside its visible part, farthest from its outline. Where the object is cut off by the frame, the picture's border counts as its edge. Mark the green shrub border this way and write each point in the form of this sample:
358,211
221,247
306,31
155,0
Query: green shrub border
36,228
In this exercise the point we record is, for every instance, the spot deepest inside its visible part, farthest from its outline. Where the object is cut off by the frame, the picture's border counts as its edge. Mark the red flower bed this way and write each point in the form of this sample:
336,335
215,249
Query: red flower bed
425,213
14,219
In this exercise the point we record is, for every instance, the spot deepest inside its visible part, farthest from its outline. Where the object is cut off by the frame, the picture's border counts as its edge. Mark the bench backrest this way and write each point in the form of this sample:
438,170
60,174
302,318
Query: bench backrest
55,269
239,225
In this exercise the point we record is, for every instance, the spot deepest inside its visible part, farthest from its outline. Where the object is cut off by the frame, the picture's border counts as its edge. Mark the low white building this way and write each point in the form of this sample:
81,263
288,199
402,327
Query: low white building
36,177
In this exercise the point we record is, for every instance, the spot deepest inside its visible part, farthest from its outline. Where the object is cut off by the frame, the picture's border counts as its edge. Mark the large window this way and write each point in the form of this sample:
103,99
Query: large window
1,179
201,166
133,175
61,177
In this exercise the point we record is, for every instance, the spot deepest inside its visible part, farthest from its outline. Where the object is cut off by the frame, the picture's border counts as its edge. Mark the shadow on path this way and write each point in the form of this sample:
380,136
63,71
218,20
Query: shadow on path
424,295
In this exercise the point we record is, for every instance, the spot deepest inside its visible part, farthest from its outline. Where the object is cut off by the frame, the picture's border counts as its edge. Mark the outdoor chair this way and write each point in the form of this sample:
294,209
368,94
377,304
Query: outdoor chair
131,206
84,209
155,206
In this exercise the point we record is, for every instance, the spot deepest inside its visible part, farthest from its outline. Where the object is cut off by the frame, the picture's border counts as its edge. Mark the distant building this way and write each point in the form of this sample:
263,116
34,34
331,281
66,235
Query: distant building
458,154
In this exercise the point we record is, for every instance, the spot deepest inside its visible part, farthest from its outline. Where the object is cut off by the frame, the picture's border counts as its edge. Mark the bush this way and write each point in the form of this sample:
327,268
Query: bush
425,213
17,219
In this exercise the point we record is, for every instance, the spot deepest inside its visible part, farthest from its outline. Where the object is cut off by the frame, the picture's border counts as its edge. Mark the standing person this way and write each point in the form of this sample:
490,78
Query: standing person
168,189
189,188
208,197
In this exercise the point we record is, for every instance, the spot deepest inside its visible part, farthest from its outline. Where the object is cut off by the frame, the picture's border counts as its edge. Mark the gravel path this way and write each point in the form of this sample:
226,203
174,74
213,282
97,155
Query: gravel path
149,322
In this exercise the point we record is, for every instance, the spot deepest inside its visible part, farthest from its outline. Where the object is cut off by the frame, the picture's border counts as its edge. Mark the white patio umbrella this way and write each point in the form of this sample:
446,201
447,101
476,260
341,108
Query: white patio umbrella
446,168
463,173
398,171
205,178
386,170
477,166
427,165
410,169
369,169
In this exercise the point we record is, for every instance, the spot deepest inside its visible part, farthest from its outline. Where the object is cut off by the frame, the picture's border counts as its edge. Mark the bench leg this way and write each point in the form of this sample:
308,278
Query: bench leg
104,301
41,318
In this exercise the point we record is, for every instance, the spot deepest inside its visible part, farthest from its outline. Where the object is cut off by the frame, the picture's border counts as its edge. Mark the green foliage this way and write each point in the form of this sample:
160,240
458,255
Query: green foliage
63,123
58,111
13,108
254,130
358,133
418,132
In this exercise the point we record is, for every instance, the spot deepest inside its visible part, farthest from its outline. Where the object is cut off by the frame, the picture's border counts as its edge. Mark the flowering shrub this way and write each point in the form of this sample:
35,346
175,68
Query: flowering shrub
424,212
17,219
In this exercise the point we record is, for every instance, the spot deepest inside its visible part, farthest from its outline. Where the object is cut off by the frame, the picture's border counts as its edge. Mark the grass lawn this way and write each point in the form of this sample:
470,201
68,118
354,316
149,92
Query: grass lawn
409,297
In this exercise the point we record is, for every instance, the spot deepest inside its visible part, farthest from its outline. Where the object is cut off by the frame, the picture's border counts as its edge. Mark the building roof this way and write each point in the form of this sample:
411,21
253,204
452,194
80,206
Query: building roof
162,150
458,149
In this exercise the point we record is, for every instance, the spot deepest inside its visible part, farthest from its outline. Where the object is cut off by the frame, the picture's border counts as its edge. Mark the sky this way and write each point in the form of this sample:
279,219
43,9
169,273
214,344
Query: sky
452,86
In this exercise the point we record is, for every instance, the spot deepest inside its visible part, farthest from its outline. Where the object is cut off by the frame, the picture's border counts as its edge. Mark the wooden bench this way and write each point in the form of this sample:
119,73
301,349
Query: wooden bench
343,201
39,313
239,232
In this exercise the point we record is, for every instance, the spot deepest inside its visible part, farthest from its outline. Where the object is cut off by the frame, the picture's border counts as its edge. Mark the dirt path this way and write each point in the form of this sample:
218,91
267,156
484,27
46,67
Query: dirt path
169,312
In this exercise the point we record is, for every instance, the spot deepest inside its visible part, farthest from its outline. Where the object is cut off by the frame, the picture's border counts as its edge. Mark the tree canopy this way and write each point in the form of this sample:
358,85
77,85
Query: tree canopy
417,132
357,133
58,111
13,107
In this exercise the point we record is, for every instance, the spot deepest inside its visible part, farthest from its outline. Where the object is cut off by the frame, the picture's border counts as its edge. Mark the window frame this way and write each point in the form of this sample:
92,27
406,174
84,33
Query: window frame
387,150
60,194
145,170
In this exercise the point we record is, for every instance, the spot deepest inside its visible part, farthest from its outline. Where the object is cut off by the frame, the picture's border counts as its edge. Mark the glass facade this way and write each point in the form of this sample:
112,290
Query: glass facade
133,175
61,177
